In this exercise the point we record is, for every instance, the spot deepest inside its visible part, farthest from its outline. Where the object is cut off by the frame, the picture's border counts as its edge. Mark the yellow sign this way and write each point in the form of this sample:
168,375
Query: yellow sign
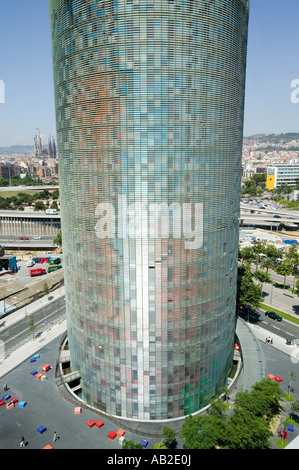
270,182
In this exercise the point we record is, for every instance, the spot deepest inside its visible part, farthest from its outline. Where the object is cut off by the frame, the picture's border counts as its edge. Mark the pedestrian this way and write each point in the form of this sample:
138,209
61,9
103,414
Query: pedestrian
55,436
271,341
22,443
266,341
5,387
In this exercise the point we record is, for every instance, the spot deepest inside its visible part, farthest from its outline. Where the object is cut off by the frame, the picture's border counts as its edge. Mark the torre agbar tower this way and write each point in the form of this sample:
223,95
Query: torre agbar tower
149,106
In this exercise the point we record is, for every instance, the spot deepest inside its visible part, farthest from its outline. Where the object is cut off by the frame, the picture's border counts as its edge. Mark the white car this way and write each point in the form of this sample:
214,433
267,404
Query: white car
36,237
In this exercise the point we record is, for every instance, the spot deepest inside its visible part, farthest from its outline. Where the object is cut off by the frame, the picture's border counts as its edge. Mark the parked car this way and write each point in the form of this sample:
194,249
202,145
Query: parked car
273,315
23,238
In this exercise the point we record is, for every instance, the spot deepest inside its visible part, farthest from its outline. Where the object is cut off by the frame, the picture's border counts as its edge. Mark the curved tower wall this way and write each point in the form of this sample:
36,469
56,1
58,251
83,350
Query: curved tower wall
149,106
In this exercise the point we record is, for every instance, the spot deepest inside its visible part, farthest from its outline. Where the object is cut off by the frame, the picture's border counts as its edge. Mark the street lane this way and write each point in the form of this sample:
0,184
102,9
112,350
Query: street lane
284,329
17,334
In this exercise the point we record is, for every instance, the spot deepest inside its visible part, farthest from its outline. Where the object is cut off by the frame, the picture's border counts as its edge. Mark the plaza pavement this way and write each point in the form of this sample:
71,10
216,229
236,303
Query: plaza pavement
46,407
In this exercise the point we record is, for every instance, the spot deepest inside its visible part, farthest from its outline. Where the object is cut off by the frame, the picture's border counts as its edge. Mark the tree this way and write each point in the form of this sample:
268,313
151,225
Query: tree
132,445
272,393
55,194
168,435
245,430
31,325
248,292
4,182
293,257
262,277
4,203
259,179
294,410
292,379
202,432
267,263
260,400
259,248
272,252
58,309
46,289
247,255
39,206
284,269
58,239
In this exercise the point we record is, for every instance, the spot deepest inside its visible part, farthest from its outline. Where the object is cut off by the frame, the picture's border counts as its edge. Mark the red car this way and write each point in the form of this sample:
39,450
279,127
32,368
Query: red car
23,238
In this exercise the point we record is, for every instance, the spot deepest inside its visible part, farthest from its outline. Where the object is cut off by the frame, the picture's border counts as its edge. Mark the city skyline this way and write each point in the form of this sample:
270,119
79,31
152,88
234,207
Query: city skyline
25,70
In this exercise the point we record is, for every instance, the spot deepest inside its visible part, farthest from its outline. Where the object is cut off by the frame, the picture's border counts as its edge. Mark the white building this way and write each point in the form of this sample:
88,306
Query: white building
278,175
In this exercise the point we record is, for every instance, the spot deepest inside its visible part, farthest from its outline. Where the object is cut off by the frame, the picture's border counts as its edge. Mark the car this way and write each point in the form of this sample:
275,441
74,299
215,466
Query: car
273,315
277,216
23,238
36,237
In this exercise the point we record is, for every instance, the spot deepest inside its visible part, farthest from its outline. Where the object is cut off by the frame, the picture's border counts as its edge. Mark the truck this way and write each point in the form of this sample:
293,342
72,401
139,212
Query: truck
54,260
51,211
37,271
54,268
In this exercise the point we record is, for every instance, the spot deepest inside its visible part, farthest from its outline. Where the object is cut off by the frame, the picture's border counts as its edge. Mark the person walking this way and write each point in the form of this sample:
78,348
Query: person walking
55,437
5,387
22,443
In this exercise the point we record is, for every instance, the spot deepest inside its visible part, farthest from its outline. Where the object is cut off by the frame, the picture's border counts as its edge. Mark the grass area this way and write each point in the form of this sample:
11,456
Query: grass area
160,445
6,194
288,397
284,315
281,443
291,421
233,371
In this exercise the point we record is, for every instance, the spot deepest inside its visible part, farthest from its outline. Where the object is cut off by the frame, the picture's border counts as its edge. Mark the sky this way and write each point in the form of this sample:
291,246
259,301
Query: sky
27,103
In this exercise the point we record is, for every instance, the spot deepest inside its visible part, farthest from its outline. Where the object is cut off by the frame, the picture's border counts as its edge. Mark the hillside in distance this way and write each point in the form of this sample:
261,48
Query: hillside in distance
273,139
17,149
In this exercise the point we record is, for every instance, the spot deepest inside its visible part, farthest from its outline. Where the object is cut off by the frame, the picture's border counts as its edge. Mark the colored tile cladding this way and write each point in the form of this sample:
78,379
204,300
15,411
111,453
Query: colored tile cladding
149,105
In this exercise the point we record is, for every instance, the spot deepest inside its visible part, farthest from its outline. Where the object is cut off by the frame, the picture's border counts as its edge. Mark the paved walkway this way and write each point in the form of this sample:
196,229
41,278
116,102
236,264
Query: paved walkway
15,371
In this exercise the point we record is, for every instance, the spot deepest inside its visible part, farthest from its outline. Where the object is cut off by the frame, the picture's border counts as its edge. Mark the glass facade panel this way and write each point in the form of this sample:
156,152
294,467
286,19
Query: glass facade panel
149,103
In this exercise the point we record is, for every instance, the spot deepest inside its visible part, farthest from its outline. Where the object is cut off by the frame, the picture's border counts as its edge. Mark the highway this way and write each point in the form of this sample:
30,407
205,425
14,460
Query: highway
28,214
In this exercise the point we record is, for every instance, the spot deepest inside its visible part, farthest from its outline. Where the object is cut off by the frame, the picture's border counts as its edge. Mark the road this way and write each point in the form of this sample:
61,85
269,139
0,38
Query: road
284,329
18,333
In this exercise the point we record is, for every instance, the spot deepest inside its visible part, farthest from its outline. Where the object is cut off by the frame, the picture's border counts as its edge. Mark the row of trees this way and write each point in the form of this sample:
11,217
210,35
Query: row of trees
16,180
267,257
39,200
247,427
255,186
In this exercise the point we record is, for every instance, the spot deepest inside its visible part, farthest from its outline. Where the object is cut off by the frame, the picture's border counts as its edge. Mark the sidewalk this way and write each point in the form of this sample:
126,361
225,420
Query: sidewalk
278,342
27,350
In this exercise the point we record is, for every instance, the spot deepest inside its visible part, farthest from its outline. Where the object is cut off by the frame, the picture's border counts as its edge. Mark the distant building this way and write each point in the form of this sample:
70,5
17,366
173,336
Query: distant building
294,196
278,175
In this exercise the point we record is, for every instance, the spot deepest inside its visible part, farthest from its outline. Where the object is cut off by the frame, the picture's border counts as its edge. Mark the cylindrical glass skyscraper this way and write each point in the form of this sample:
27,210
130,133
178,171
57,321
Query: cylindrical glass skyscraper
149,106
